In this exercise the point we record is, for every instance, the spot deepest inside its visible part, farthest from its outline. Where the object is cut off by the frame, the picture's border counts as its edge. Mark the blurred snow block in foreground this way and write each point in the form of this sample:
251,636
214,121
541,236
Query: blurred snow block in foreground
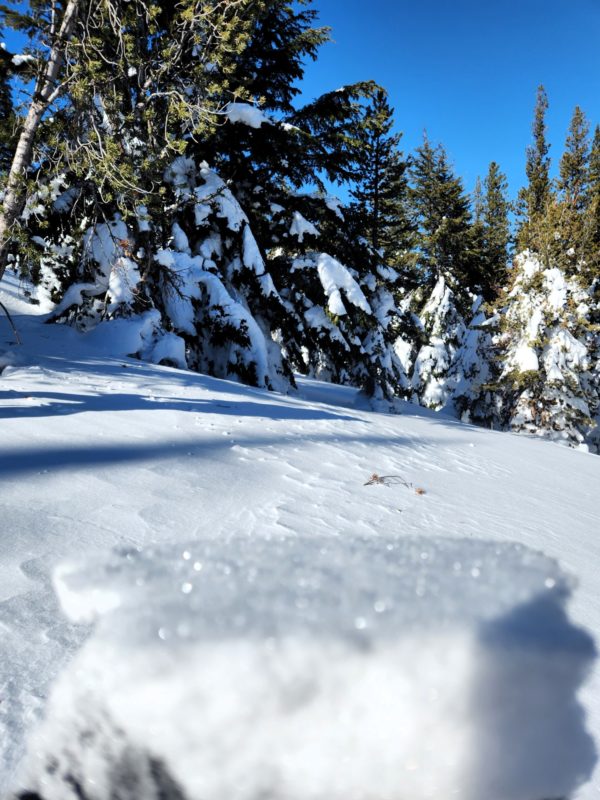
318,669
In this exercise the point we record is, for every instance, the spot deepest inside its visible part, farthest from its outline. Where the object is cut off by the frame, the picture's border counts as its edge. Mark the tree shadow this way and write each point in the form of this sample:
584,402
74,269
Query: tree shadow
18,461
52,404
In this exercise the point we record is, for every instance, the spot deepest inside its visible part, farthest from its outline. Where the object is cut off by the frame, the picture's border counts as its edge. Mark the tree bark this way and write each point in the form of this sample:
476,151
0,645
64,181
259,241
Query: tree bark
46,91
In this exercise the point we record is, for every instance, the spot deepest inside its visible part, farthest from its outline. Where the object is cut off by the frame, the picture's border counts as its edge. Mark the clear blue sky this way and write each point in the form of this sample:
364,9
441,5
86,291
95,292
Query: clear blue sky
467,71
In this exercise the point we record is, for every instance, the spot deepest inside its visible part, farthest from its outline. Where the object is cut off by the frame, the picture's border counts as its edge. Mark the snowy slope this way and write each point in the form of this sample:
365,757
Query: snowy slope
100,451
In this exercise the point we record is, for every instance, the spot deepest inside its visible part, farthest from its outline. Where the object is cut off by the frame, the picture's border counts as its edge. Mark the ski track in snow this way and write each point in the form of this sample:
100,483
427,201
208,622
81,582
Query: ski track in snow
98,450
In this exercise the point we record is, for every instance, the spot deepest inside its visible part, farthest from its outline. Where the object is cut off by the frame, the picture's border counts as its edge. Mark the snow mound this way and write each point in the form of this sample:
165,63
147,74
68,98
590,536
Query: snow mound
318,668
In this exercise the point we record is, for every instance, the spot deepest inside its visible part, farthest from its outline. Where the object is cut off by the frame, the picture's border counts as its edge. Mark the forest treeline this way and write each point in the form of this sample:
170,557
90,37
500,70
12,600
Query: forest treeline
156,165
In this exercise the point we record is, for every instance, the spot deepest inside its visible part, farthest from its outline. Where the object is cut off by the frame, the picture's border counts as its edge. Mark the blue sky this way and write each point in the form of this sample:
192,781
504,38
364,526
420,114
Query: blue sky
467,71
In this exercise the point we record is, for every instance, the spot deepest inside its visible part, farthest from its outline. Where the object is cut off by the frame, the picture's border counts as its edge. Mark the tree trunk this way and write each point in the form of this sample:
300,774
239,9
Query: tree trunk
46,91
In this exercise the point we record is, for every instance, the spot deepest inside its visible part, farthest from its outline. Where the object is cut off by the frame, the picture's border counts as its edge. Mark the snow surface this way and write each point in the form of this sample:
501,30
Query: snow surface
120,477
399,660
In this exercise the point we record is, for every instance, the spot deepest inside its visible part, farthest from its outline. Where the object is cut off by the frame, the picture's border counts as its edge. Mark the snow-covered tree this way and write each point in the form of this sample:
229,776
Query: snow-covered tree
545,350
238,272
452,363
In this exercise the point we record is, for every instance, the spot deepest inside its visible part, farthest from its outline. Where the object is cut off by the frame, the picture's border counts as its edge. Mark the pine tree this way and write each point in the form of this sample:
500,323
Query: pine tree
442,209
534,200
496,232
544,354
591,236
8,121
574,193
574,162
381,188
241,274
478,228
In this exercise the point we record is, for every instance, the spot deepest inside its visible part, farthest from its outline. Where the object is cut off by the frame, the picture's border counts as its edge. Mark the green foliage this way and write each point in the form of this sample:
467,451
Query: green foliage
573,190
496,232
446,244
591,216
8,121
535,198
381,188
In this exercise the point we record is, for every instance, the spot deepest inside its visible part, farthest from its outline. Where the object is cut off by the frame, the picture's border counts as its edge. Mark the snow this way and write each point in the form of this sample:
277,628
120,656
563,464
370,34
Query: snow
301,227
214,192
22,58
65,200
180,239
393,652
564,355
246,114
334,204
525,358
334,277
122,283
181,172
193,571
103,243
251,253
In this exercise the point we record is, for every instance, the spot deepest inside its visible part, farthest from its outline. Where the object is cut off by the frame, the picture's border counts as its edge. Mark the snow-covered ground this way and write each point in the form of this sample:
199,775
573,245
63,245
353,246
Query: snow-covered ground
376,613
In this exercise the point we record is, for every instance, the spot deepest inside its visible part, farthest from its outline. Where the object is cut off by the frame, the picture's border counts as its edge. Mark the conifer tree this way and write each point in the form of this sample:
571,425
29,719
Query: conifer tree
544,355
381,189
573,188
534,200
130,221
8,122
442,209
478,226
574,162
496,232
591,236
478,206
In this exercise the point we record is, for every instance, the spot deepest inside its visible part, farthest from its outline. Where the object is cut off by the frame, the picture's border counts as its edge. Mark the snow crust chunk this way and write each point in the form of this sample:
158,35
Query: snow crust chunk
321,669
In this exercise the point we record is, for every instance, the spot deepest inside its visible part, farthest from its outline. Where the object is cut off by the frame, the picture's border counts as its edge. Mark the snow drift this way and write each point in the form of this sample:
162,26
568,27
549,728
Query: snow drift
319,667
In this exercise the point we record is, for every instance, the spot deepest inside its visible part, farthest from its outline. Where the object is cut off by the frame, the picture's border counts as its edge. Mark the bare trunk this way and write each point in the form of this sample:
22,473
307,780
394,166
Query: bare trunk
45,93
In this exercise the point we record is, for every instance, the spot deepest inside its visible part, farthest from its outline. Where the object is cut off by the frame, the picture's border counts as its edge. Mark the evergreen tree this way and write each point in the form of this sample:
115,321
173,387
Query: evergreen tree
534,200
442,209
573,181
478,205
537,168
478,228
381,188
591,236
241,274
8,121
574,192
544,353
496,232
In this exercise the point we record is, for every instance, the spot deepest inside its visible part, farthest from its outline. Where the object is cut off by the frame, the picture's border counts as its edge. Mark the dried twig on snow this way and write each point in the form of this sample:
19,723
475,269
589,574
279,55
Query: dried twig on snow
389,480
